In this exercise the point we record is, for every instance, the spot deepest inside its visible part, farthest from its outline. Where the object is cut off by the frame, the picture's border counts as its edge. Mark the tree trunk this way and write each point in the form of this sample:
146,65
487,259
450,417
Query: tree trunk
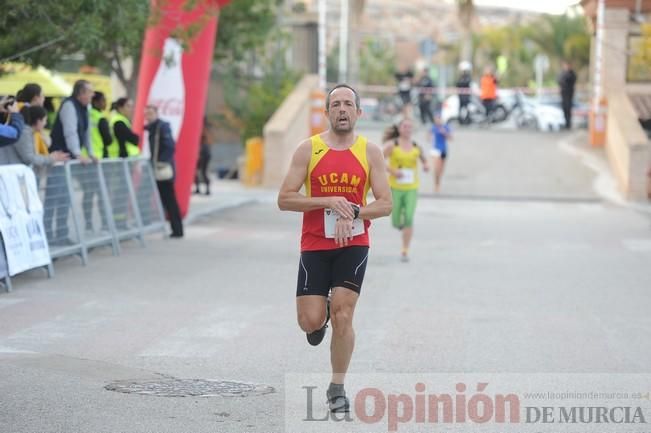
466,46
130,81
466,11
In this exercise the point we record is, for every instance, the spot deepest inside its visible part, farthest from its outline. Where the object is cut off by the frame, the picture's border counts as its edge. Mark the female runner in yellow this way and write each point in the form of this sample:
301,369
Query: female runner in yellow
403,154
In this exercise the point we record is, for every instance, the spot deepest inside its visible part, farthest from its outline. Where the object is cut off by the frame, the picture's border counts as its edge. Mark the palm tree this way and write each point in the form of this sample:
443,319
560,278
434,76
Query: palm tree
555,35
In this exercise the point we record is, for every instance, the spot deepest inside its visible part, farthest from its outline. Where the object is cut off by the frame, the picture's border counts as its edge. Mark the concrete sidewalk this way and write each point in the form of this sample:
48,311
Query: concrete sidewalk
226,194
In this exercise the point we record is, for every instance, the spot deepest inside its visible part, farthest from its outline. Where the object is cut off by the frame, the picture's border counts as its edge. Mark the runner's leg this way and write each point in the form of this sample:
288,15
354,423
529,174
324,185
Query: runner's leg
439,164
343,335
312,288
410,199
348,271
398,206
311,312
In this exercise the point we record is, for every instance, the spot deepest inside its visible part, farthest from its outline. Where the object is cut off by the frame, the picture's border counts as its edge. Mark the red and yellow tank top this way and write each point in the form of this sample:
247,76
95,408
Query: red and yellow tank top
338,173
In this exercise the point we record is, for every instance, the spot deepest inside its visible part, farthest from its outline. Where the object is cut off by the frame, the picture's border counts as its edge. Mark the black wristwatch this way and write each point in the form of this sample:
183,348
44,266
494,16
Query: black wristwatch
356,210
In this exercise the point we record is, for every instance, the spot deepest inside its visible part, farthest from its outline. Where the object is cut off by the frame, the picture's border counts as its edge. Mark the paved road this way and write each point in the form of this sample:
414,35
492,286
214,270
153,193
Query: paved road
511,286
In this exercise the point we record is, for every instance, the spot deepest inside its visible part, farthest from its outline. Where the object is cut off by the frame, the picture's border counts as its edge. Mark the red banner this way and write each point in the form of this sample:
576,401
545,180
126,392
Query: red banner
175,79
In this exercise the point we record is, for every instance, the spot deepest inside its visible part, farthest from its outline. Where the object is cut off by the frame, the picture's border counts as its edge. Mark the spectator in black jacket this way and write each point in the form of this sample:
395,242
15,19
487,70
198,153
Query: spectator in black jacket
567,81
463,88
425,97
201,174
162,147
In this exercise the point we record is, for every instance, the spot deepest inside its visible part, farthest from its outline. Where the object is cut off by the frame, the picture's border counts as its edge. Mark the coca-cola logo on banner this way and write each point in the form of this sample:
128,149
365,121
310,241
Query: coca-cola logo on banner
172,107
167,91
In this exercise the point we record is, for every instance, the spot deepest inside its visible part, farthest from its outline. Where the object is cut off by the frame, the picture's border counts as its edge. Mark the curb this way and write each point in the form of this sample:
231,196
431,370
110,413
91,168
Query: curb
604,185
231,203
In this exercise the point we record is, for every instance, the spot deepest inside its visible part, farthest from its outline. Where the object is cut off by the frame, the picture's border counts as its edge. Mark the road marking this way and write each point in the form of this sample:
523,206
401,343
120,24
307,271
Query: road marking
5,349
638,245
65,327
4,303
206,336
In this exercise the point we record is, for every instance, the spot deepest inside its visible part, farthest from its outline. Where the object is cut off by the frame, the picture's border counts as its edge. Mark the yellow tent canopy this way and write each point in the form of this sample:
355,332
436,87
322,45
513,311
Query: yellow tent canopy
14,76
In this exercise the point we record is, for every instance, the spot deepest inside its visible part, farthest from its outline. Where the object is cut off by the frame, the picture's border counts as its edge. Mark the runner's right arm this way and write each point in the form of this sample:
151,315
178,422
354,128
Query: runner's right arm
289,197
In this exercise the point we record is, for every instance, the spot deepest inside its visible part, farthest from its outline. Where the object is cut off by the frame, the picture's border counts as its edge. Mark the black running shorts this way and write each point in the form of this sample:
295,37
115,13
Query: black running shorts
319,271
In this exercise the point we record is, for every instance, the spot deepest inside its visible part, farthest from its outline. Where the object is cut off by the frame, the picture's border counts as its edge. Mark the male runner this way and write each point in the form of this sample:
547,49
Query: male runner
337,168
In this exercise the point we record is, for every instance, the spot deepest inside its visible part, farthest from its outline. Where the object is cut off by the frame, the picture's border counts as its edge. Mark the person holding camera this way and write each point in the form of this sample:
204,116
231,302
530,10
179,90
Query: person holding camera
23,151
11,121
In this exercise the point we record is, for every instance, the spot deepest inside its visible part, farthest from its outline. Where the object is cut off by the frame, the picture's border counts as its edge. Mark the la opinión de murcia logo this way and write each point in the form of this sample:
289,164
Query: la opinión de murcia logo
585,415
372,406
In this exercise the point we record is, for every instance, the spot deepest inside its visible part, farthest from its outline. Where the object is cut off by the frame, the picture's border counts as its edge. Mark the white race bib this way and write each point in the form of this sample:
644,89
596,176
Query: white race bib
330,219
408,176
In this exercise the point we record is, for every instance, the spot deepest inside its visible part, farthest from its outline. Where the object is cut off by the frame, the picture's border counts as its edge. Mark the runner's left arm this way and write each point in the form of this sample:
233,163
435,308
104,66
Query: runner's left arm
382,205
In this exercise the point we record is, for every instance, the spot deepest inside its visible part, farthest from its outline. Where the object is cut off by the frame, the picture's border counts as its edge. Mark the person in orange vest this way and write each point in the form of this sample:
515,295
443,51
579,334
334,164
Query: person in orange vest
488,95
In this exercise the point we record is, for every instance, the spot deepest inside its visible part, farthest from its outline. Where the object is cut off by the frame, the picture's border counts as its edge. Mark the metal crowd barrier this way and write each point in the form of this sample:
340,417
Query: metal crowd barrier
149,208
99,204
122,201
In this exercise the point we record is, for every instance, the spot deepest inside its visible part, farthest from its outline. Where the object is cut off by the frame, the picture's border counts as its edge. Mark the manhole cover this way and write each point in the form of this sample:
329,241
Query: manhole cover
171,387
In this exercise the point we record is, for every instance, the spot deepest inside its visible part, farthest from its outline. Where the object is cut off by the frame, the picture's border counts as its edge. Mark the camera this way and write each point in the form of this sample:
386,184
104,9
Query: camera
8,101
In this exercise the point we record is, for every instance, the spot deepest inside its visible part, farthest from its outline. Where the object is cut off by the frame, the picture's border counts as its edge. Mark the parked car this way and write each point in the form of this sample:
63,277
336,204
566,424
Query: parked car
535,113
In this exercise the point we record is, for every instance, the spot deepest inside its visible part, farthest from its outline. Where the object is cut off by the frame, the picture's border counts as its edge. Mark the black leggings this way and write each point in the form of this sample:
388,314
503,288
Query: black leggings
171,206
201,175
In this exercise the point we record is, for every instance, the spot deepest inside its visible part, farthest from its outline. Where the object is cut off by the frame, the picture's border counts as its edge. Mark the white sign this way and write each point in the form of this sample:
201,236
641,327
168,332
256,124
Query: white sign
330,218
21,220
407,176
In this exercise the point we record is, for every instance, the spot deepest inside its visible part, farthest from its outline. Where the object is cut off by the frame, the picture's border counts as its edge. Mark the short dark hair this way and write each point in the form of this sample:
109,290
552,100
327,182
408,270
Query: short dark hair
79,86
346,86
33,113
119,103
98,96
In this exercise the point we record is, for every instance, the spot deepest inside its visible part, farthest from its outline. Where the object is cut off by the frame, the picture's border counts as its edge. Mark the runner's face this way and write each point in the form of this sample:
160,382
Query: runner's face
405,128
342,112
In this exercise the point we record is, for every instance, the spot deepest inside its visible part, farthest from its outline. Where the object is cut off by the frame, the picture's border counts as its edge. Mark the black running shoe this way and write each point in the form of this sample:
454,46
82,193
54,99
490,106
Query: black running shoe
338,403
315,338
